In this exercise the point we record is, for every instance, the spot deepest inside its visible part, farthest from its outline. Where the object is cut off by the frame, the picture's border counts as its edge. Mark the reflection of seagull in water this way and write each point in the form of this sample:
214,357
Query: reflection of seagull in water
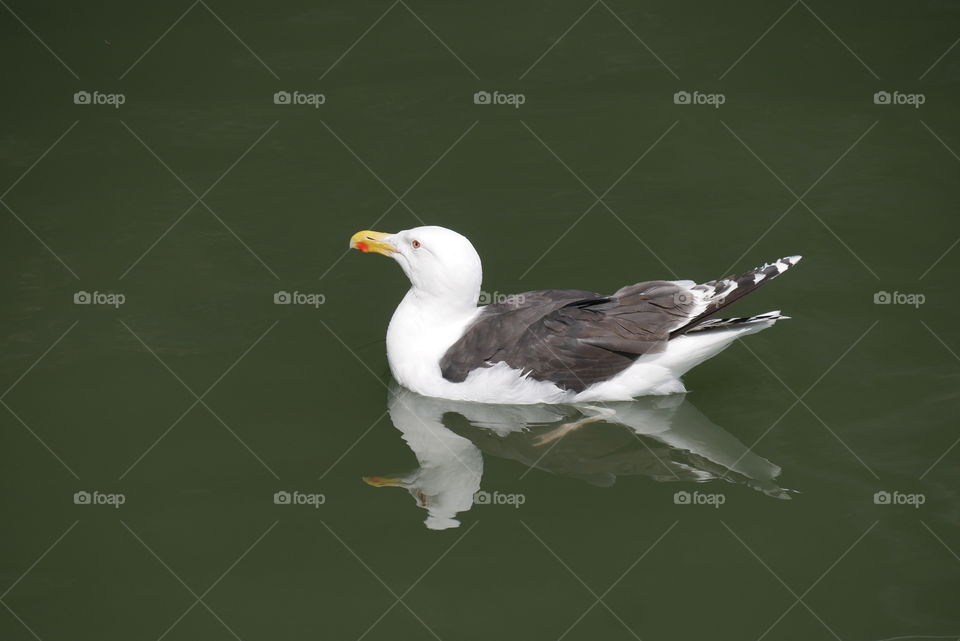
667,439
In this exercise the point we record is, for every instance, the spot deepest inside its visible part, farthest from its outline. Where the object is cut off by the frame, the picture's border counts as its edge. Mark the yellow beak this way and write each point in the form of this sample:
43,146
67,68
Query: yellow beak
384,481
372,241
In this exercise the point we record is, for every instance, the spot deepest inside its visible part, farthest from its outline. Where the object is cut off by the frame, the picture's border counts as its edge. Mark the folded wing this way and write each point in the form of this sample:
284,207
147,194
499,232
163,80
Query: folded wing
576,338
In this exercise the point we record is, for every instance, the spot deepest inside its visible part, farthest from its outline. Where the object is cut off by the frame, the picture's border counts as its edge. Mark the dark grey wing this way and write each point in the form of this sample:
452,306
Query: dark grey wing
576,338
571,338
498,329
589,341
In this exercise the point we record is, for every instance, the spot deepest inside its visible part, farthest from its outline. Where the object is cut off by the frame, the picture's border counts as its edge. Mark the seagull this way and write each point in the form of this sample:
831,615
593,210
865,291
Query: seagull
551,345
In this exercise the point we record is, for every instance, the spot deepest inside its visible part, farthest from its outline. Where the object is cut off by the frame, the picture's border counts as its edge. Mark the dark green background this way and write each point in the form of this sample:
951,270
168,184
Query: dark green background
396,102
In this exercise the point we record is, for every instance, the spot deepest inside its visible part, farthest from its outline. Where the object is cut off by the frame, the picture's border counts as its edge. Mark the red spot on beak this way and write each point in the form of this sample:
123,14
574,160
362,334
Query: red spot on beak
363,247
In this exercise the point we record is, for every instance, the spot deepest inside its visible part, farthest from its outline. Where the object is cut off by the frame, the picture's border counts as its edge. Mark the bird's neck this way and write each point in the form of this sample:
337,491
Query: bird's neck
446,306
422,329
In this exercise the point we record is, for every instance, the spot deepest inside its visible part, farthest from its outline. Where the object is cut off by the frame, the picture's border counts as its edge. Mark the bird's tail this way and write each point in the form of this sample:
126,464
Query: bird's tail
717,294
726,323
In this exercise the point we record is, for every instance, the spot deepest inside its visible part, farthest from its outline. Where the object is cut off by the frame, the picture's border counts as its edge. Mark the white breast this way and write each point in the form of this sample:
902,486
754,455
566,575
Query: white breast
421,333
418,337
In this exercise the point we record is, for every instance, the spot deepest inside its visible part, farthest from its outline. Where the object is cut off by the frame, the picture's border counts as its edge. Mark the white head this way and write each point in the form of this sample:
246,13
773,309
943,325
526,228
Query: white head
441,264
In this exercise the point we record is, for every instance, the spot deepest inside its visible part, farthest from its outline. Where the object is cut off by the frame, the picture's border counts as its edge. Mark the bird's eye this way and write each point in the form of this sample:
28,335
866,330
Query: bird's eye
415,244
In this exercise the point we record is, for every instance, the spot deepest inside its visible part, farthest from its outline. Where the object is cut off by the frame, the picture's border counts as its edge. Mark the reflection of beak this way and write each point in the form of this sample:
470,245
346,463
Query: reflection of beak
397,481
372,241
384,481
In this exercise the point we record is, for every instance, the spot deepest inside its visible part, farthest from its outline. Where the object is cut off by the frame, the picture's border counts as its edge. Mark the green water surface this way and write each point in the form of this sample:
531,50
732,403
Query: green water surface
182,399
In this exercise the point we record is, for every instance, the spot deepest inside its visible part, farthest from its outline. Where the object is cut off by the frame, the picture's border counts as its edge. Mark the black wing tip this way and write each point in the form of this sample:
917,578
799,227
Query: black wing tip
781,264
767,271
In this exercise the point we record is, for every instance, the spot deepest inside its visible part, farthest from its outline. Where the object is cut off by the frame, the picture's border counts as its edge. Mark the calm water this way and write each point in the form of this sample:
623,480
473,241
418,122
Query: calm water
227,450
